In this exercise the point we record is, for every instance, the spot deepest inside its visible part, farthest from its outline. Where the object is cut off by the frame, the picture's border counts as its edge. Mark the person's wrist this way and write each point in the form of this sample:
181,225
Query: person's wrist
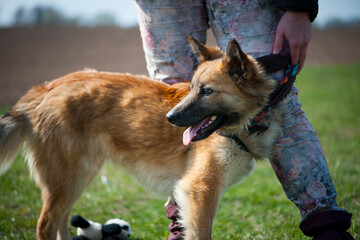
304,15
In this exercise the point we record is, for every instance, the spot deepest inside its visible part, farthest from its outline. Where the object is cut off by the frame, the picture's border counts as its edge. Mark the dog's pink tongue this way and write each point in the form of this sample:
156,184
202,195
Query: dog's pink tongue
189,133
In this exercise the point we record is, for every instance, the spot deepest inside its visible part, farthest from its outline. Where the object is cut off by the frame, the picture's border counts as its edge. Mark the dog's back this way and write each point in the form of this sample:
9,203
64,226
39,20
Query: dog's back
92,113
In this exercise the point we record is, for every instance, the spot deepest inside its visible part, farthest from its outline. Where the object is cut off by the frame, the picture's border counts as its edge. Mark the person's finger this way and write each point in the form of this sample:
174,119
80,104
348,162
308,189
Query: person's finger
302,57
294,52
278,42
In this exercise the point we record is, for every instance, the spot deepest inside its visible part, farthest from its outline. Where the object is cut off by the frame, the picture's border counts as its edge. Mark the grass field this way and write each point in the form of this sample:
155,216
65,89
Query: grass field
256,209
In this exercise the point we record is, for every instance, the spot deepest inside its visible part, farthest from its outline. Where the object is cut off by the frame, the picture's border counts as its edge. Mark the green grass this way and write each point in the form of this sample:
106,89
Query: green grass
256,209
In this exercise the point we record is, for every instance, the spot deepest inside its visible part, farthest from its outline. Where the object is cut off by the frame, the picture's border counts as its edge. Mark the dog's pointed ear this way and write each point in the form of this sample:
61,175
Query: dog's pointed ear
200,50
236,59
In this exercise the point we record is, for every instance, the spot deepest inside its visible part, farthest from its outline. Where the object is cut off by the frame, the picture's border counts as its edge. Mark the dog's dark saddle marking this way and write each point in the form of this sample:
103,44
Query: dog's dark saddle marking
271,63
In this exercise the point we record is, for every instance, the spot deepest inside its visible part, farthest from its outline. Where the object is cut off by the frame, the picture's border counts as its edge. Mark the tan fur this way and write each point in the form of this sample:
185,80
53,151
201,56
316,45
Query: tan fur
71,125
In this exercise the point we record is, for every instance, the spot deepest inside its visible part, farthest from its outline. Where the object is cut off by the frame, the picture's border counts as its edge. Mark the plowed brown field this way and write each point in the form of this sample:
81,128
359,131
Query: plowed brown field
30,56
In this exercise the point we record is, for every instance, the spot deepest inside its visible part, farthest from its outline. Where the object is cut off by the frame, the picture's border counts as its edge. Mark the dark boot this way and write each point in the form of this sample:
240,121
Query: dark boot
176,231
327,225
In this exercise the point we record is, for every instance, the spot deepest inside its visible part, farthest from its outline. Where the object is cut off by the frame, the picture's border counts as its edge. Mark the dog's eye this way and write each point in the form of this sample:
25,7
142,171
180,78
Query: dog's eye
207,91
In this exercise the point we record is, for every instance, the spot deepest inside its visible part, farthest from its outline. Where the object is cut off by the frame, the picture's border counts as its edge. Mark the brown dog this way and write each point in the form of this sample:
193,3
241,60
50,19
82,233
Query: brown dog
71,125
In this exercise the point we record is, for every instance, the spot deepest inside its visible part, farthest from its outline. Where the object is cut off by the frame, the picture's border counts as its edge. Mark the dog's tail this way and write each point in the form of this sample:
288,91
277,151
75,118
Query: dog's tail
12,137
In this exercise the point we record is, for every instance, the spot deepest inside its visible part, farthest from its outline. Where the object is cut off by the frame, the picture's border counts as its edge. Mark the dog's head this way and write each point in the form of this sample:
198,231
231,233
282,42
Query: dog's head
227,90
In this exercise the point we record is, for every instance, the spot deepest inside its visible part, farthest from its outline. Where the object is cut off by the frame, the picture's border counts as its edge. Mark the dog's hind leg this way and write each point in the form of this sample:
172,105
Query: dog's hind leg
57,205
61,186
198,194
63,232
52,215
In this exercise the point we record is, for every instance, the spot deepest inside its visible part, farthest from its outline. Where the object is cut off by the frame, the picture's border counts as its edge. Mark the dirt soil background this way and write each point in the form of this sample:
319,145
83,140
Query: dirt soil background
31,56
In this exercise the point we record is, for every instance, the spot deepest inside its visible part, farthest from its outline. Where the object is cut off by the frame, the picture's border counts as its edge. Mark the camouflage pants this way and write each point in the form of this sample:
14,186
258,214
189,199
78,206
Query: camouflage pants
298,159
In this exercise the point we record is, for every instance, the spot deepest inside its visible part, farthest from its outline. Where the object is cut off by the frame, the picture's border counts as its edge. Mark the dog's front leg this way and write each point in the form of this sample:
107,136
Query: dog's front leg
197,195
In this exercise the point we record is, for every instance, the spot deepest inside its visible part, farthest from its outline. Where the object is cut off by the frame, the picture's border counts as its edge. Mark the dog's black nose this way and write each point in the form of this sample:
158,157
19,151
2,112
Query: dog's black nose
171,117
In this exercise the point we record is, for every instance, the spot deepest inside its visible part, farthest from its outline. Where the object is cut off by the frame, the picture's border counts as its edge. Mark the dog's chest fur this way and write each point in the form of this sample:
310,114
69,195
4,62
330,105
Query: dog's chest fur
237,163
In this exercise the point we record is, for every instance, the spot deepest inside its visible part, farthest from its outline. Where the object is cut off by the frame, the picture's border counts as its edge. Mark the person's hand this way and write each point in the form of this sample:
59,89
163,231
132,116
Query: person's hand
296,28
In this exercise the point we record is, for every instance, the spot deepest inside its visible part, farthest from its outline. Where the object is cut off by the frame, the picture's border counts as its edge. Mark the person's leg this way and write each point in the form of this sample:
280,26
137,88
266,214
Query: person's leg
298,159
164,27
300,165
252,23
299,162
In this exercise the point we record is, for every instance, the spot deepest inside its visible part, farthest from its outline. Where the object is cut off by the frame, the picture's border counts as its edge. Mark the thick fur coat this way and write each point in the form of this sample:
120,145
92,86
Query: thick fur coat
70,126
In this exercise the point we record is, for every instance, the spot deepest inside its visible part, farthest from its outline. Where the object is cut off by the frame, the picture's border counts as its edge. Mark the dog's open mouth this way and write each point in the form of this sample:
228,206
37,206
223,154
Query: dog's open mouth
202,129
